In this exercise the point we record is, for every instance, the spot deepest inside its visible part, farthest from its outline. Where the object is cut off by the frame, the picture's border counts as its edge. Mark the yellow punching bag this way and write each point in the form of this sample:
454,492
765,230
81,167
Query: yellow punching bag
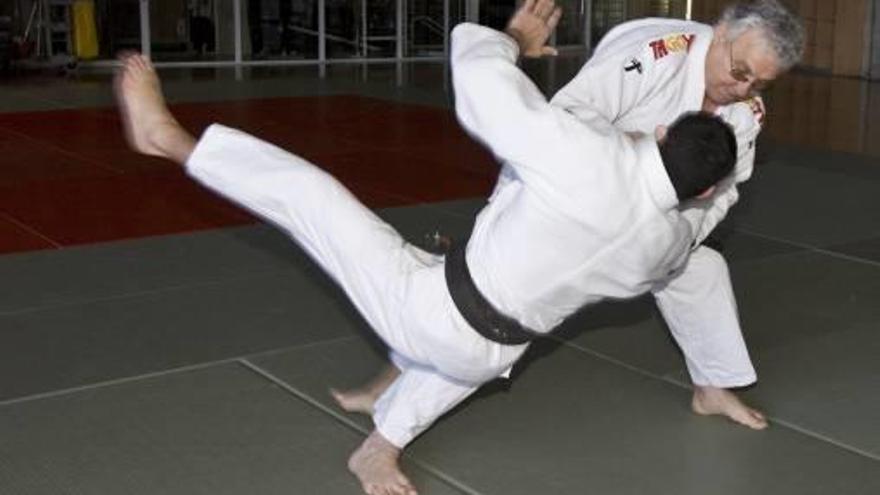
85,34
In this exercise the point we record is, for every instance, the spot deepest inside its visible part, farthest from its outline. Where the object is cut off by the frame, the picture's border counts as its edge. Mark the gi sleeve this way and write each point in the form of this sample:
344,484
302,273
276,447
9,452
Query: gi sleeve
501,107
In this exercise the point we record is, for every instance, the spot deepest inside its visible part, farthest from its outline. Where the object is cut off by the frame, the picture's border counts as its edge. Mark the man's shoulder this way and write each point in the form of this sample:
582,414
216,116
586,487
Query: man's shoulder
661,44
644,32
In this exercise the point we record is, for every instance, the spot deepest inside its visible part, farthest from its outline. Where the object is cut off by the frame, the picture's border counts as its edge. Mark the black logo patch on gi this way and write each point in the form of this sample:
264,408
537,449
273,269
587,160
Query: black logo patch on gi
634,64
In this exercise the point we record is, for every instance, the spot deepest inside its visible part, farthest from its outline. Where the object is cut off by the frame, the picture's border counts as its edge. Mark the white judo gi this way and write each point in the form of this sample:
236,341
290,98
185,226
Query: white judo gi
646,73
643,74
586,212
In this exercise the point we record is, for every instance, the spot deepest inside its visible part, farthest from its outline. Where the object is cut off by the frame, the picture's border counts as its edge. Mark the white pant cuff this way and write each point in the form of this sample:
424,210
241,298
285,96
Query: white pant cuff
743,380
399,438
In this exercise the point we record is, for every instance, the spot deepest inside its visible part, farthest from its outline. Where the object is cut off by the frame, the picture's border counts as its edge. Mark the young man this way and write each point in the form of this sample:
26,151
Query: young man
586,212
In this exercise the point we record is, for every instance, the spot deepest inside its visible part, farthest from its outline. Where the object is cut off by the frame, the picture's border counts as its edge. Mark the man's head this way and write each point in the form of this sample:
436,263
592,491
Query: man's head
698,150
754,42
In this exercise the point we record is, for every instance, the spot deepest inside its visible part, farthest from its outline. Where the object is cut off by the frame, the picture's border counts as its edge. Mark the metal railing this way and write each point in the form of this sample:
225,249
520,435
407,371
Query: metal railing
360,41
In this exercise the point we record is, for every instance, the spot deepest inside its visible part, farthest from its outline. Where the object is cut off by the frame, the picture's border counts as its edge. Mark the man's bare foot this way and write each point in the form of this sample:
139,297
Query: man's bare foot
149,126
712,400
363,400
375,463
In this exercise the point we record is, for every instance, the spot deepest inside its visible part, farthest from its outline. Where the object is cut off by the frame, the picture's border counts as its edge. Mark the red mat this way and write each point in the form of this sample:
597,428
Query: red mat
67,177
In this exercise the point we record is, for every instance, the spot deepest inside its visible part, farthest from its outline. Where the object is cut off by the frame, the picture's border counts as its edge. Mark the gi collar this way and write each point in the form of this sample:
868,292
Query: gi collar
649,160
697,70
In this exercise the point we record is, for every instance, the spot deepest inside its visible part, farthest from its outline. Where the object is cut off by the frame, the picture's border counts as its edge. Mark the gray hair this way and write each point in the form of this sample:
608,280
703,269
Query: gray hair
783,30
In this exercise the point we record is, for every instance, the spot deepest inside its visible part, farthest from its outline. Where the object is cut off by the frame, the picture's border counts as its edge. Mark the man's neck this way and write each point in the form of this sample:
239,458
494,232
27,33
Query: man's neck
709,106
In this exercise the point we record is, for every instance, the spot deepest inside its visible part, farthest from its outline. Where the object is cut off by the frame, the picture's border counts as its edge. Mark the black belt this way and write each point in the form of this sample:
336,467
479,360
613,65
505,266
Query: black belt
476,310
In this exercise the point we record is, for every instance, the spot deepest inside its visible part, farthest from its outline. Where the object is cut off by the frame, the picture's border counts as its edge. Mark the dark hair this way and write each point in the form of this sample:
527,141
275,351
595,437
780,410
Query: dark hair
699,150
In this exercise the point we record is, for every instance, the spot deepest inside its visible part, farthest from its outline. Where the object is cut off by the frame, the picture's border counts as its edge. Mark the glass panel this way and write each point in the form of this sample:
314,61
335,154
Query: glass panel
377,29
571,28
186,30
496,13
343,27
119,28
657,8
425,25
280,29
606,15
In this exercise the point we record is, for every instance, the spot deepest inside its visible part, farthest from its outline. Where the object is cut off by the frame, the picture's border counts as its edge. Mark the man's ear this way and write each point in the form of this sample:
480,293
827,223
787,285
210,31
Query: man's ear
708,192
660,133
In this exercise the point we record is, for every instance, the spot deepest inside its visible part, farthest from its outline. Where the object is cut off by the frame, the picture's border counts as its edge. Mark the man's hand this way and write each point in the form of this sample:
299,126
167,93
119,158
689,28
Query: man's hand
531,26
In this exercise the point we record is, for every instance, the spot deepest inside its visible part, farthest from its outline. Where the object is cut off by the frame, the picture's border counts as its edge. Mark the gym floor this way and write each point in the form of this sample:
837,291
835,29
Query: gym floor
156,339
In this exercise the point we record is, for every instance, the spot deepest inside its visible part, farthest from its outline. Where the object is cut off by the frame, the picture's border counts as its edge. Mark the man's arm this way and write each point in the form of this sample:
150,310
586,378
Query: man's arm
546,146
503,108
497,103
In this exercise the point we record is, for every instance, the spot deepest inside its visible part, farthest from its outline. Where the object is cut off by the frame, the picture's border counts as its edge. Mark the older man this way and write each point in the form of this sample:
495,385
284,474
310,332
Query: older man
645,73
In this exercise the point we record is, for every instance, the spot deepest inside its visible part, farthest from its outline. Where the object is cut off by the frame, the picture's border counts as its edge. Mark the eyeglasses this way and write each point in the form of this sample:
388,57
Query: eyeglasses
745,75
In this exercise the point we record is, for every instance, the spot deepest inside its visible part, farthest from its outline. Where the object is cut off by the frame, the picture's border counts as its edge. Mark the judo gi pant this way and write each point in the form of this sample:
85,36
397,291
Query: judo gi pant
399,289
699,307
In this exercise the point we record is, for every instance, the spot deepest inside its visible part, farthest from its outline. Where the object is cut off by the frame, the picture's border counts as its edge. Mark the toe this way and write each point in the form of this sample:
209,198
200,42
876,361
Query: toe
336,394
131,69
760,421
750,418
341,399
402,489
404,486
147,64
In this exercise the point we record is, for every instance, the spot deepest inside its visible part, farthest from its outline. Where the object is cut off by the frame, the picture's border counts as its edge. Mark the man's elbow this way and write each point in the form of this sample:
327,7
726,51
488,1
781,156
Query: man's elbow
460,39
477,76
